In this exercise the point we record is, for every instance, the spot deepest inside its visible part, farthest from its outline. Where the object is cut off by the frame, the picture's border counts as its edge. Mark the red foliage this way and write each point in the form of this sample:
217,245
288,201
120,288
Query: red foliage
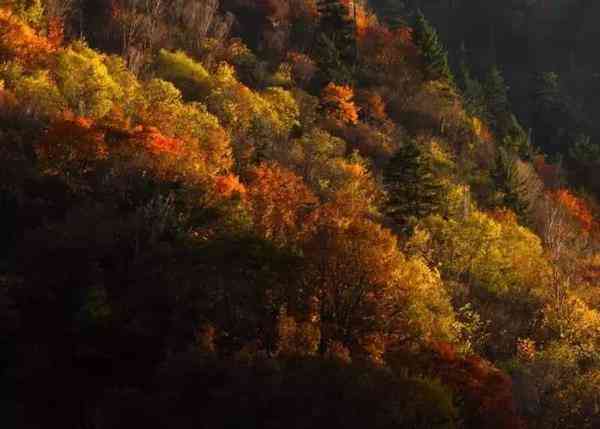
303,67
549,173
56,32
158,144
576,207
72,142
388,51
487,391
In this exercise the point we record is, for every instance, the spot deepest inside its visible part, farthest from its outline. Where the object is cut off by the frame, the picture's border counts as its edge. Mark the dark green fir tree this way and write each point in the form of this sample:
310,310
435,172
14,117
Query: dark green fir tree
496,96
336,48
509,186
472,90
412,187
434,54
509,133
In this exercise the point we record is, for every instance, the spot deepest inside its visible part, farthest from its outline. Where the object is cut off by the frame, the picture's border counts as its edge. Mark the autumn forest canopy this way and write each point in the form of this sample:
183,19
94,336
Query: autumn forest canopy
299,214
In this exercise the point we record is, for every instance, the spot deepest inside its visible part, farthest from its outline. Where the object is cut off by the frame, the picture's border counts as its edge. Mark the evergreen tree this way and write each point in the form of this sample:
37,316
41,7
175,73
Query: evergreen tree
503,122
434,55
496,97
413,190
336,42
555,122
472,89
509,186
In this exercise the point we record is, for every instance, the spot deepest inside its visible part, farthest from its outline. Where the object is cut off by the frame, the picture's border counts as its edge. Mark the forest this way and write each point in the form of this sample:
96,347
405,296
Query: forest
299,214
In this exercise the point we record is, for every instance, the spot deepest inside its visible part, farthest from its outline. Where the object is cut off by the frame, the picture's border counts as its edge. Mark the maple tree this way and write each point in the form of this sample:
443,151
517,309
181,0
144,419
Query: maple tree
280,203
338,103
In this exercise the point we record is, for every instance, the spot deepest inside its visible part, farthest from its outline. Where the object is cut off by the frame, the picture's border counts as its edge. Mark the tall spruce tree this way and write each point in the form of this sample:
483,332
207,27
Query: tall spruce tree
503,122
472,90
412,187
496,96
433,52
336,42
509,186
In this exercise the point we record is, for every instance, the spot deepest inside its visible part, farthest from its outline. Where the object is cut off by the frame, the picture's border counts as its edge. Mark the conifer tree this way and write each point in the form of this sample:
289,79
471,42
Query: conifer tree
496,95
434,55
413,190
472,89
499,115
510,188
336,43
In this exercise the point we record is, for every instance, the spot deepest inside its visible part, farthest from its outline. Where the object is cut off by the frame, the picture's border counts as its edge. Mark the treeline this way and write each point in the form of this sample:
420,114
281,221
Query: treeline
542,48
274,214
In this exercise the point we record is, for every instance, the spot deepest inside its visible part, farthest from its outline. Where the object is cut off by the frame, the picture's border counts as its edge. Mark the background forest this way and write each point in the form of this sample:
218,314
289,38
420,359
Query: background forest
298,214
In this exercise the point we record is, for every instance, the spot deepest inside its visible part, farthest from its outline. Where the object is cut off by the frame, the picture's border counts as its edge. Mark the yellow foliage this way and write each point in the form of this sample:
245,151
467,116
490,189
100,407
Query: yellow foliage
481,130
39,95
85,82
500,256
297,339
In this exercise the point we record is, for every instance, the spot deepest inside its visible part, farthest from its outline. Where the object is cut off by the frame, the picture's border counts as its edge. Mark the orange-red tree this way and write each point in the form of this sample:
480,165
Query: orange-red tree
280,203
337,102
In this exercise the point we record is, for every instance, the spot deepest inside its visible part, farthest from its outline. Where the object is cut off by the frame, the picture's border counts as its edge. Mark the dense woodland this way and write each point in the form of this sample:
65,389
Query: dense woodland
298,214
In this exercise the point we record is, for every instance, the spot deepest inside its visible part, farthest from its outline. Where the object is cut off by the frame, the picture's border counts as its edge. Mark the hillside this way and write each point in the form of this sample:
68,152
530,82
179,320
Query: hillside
279,214
542,48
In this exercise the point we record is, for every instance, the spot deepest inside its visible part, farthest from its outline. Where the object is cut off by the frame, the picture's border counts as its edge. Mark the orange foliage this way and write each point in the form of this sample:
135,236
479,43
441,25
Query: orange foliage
158,144
576,207
228,185
482,131
337,100
363,18
405,35
72,142
19,41
280,203
372,105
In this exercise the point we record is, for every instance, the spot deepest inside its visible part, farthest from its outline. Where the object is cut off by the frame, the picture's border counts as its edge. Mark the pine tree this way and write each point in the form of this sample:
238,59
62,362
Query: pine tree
434,55
336,43
510,188
472,89
496,95
554,119
413,190
503,122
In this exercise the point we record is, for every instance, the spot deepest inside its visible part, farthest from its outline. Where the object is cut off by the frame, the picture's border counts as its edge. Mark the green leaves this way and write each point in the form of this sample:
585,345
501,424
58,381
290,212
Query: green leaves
434,55
85,82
